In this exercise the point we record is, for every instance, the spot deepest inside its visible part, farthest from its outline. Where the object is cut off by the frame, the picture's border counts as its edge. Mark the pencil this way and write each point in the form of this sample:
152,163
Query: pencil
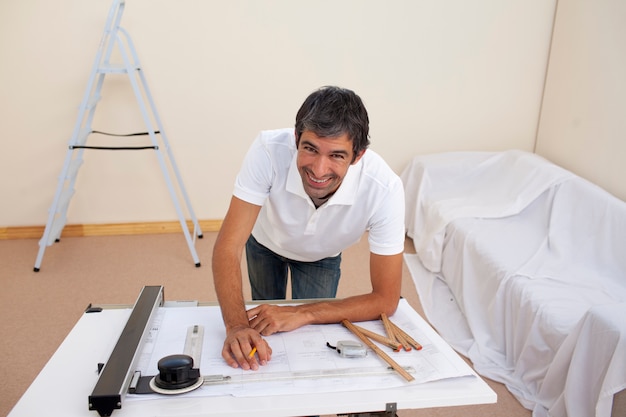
252,352
378,351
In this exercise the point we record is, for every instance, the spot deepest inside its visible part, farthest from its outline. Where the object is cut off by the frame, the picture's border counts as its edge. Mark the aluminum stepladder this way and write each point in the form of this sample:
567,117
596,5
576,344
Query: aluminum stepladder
113,36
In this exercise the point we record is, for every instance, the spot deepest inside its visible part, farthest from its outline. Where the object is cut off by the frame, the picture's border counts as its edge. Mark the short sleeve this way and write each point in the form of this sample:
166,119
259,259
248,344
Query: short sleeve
254,181
386,231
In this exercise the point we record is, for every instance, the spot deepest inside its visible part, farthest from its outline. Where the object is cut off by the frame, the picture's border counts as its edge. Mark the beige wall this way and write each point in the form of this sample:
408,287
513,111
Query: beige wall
583,120
435,75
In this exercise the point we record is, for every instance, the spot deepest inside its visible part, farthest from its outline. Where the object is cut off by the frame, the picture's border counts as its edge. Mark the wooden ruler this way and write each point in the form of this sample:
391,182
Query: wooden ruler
378,351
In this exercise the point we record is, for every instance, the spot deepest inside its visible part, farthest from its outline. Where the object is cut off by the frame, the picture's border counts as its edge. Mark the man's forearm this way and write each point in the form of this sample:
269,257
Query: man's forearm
227,253
269,318
356,308
228,287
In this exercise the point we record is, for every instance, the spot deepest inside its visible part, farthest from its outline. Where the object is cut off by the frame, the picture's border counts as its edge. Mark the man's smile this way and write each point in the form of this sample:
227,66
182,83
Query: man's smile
321,181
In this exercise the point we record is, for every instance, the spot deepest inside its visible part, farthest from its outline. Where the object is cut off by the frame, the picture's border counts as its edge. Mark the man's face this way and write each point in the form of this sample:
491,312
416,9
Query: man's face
323,163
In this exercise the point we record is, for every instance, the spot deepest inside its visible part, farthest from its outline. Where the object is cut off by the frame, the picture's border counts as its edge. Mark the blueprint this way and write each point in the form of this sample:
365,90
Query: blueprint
301,360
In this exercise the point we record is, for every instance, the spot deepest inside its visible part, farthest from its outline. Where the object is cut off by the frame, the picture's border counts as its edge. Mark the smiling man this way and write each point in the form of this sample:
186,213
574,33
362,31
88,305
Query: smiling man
302,196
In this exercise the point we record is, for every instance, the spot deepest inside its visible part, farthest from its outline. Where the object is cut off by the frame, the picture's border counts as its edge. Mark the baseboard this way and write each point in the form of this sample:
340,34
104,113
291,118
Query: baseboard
110,229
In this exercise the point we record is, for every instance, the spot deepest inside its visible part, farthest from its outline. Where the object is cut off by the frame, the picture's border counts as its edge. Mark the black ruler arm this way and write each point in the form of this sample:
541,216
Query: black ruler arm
117,373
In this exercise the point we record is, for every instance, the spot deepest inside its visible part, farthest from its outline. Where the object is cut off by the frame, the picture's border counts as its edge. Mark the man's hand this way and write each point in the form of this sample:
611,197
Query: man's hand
268,319
238,348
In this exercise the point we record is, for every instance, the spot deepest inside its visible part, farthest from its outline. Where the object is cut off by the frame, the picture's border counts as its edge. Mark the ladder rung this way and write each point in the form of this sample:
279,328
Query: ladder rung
82,137
64,200
115,69
43,243
92,102
73,169
55,231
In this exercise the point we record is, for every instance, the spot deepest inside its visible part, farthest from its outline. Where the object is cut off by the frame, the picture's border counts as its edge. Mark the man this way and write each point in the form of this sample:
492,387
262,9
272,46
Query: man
300,199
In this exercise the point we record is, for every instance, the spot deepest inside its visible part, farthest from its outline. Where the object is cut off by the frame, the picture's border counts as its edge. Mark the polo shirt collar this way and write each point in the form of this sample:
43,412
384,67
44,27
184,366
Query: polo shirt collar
345,195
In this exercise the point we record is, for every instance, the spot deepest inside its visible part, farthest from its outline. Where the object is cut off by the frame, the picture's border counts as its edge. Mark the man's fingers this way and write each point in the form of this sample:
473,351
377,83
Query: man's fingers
228,357
245,348
241,351
263,351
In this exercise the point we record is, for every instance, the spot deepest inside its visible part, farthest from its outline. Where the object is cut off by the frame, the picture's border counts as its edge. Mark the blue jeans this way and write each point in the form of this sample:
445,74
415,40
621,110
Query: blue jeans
267,272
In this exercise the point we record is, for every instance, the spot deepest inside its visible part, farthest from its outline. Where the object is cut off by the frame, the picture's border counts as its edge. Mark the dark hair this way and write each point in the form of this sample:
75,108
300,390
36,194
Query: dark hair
332,111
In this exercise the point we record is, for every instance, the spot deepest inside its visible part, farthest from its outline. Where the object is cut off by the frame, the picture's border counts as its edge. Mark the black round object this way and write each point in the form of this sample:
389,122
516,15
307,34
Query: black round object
176,372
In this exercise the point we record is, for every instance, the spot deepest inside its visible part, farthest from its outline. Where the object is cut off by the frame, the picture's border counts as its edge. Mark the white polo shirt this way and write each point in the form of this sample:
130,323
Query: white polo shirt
370,197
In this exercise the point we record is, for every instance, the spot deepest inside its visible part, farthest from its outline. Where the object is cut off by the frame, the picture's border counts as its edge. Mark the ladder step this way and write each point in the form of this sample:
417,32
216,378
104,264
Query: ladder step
57,227
92,102
116,69
82,136
64,200
55,231
73,169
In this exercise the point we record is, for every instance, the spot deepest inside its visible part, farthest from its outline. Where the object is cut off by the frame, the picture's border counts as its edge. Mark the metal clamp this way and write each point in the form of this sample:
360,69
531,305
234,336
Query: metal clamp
390,411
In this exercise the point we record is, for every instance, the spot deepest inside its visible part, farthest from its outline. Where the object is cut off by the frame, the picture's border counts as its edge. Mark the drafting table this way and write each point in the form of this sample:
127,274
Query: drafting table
67,380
